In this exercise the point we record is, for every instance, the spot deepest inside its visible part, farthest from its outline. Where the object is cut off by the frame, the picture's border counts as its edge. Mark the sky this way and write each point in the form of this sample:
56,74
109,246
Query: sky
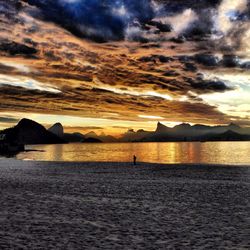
112,65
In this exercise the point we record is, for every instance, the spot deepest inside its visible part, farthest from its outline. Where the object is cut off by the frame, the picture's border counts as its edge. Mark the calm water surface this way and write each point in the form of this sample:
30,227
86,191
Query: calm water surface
184,152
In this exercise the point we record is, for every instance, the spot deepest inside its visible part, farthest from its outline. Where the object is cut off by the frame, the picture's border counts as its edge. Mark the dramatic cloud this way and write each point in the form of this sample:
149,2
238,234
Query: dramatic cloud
13,48
98,20
126,60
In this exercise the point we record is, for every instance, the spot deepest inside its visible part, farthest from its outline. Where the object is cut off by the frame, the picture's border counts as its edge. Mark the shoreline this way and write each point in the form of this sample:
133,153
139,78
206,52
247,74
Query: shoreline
163,153
126,164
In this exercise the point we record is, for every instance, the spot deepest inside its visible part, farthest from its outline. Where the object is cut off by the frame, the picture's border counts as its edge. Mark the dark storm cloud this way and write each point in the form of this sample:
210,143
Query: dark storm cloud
190,67
119,19
98,20
206,85
111,19
230,61
155,58
13,48
210,60
207,60
171,73
203,26
199,29
179,5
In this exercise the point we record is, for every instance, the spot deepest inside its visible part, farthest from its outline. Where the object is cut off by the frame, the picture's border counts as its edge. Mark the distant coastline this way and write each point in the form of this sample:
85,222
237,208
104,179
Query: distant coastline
28,132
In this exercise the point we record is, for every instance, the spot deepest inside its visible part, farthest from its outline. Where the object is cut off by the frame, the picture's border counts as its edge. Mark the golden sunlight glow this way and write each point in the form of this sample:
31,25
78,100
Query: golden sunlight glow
151,117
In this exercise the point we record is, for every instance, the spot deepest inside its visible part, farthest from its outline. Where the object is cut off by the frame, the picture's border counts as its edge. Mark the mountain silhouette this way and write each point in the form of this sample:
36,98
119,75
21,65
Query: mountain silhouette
74,137
91,134
57,129
229,136
101,138
198,132
92,140
161,128
31,132
131,135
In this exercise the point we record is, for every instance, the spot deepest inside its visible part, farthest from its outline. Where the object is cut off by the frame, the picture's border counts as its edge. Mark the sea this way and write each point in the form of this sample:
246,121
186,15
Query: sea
236,153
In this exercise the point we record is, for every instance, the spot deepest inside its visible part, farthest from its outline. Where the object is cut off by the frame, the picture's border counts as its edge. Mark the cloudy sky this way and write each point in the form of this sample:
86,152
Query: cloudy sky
117,64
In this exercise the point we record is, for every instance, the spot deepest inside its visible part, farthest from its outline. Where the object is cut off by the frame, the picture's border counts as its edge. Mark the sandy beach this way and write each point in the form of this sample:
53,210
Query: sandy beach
118,206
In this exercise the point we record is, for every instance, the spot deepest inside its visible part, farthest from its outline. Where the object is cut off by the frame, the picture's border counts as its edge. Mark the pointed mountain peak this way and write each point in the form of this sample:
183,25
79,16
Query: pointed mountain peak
58,124
91,134
161,128
57,129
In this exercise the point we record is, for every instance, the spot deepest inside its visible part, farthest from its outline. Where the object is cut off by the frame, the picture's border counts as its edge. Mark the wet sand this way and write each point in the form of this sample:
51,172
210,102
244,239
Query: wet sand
119,206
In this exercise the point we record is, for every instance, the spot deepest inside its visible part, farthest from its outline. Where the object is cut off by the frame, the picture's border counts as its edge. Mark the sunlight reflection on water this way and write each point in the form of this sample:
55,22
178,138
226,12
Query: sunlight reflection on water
184,152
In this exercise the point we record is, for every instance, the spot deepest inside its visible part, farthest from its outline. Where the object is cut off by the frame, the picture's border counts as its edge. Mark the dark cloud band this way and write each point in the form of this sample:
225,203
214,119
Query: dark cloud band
98,20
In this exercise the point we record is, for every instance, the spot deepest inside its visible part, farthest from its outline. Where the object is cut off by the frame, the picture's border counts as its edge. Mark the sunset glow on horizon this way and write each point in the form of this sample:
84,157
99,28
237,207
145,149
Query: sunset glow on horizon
124,64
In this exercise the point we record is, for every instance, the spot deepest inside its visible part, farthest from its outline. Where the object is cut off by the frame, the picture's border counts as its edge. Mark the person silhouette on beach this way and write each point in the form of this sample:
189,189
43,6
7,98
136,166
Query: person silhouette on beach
134,160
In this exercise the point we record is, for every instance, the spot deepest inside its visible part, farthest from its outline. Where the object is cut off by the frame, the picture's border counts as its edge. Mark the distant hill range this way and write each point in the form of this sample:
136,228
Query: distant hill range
31,132
186,132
